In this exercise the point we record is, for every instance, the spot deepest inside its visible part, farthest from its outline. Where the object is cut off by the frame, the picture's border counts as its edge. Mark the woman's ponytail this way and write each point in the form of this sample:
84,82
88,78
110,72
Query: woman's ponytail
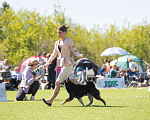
67,26
63,28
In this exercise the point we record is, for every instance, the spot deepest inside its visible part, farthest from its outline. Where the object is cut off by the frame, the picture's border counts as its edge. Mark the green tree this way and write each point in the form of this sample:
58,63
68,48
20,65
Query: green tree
24,33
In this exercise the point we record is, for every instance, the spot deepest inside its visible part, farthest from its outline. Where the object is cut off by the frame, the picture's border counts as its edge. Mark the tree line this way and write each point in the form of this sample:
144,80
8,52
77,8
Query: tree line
24,33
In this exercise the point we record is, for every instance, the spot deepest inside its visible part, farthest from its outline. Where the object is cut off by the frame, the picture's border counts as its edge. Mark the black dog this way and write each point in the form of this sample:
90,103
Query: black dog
78,91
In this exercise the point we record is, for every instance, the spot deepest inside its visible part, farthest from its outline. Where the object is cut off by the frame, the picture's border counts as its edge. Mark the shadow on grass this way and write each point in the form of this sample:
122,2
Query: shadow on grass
92,106
70,106
42,100
88,106
80,106
106,106
34,100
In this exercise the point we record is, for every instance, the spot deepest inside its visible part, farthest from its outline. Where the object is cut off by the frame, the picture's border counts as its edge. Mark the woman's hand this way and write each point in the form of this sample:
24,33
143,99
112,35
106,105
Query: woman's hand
56,68
81,55
46,70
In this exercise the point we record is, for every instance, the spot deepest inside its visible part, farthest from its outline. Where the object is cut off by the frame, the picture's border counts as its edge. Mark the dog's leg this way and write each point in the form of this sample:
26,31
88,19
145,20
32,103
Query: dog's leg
96,95
90,99
80,100
99,98
67,100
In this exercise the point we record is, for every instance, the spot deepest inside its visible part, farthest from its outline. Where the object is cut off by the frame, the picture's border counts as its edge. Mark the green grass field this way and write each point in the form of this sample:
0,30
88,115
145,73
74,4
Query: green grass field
122,104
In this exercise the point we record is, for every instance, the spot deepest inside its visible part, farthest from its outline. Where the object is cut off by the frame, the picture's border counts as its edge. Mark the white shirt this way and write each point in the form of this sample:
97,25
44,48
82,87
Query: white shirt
5,66
18,75
40,60
132,65
148,71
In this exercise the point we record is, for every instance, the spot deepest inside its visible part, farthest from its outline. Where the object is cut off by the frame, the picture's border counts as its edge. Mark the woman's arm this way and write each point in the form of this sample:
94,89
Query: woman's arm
73,48
30,78
53,55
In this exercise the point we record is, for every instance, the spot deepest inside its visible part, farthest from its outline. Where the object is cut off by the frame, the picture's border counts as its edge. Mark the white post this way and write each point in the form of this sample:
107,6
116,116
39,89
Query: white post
3,96
149,88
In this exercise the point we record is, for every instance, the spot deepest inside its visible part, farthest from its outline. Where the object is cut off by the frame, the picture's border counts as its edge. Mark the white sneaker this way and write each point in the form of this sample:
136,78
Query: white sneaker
26,98
32,98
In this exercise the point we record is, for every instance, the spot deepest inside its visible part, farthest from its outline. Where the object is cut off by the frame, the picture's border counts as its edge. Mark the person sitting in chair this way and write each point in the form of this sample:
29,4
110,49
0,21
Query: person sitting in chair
103,69
6,64
132,65
16,77
113,72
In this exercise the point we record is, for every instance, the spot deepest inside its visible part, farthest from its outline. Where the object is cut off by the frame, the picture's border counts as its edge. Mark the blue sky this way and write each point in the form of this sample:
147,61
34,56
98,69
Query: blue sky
90,12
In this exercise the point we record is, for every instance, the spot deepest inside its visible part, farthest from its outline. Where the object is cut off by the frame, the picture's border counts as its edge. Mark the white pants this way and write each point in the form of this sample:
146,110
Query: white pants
64,73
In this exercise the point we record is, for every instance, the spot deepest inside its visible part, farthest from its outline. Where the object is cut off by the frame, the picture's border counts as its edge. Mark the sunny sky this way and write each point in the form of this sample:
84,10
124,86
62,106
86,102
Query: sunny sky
91,12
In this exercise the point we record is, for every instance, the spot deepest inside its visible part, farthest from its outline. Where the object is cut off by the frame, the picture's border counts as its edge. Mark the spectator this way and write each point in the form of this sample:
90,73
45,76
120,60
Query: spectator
51,72
44,54
108,67
132,65
105,61
113,72
16,77
30,83
148,71
103,69
122,74
1,63
138,84
41,61
6,64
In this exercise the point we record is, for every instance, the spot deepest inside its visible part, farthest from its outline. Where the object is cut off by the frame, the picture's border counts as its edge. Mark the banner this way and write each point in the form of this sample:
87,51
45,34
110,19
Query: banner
110,83
2,92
